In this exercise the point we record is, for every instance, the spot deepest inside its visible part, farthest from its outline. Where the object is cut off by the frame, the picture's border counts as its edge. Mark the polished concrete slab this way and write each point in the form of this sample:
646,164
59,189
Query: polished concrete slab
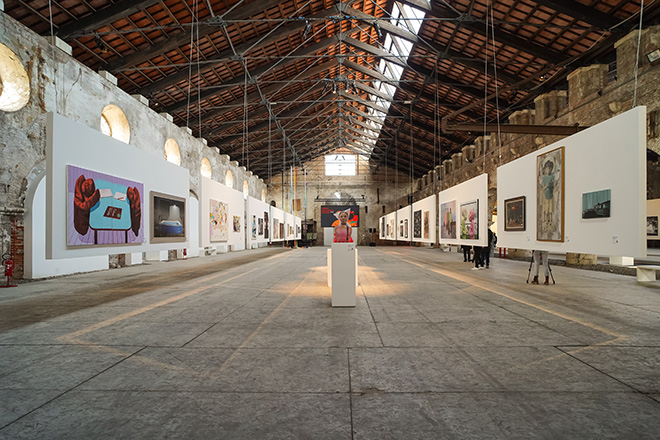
246,345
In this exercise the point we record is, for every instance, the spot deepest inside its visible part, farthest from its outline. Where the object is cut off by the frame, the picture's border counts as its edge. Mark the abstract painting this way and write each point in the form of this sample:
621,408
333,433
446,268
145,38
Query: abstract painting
596,204
276,229
168,218
103,209
550,196
514,214
448,219
218,221
254,227
417,224
426,224
470,220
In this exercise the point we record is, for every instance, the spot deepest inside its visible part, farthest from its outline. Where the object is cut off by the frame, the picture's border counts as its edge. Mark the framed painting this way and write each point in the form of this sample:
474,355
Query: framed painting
382,228
168,218
405,228
448,219
260,230
254,227
282,231
652,226
237,224
514,214
417,224
470,220
400,228
276,229
266,227
103,209
596,204
218,221
550,196
427,225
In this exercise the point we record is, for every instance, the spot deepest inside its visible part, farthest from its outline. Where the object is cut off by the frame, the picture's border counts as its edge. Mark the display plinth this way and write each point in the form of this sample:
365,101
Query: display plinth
622,261
342,270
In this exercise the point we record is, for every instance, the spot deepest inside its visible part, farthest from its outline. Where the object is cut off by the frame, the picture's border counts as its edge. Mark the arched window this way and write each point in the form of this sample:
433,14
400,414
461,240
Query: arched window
206,168
229,179
14,81
172,152
263,195
115,124
246,189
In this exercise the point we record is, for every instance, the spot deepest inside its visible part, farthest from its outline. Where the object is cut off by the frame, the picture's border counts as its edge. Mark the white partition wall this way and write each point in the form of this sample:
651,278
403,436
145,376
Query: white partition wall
403,224
289,226
227,206
298,231
463,213
277,220
390,226
423,220
610,156
74,146
258,210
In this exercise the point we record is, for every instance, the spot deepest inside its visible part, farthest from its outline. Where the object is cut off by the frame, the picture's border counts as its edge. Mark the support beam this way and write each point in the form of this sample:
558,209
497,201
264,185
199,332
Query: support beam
582,12
556,130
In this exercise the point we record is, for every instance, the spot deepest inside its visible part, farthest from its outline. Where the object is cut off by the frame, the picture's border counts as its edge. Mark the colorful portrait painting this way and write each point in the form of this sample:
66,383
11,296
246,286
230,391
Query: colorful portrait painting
550,196
448,219
103,209
168,218
237,223
218,222
470,220
514,214
417,224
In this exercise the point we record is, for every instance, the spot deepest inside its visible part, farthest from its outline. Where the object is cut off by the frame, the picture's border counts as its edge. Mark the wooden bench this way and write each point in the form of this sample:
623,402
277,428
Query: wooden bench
646,273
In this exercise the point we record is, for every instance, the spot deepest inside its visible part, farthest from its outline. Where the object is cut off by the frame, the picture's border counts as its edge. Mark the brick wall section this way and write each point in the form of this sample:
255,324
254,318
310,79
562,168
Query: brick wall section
17,235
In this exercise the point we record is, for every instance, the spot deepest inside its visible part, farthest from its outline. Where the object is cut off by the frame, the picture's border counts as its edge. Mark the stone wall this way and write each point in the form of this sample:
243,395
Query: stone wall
59,83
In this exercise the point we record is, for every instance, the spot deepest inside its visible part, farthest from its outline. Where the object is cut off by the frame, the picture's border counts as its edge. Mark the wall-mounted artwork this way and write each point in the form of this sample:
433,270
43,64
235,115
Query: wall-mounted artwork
596,204
297,230
260,226
330,215
282,231
392,229
383,231
550,196
218,221
417,224
470,220
448,219
290,230
426,224
276,229
168,218
237,223
400,228
103,209
266,228
514,214
405,228
652,226
254,226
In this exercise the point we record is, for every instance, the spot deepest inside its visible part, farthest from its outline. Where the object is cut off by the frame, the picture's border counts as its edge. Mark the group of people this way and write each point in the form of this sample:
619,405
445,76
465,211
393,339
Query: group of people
481,254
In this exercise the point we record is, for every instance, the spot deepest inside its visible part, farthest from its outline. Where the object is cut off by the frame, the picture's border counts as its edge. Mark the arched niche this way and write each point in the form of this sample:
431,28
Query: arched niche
14,81
115,124
205,168
172,153
229,179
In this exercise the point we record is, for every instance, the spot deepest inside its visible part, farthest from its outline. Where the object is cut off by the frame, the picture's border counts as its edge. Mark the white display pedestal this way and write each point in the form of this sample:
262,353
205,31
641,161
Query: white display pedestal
622,261
342,274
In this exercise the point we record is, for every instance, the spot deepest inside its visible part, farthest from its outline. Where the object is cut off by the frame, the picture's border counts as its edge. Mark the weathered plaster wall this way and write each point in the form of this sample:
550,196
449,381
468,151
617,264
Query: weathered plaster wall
59,83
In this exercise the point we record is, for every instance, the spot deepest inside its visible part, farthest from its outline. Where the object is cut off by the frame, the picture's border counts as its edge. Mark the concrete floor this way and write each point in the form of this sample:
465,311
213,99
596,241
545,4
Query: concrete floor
246,346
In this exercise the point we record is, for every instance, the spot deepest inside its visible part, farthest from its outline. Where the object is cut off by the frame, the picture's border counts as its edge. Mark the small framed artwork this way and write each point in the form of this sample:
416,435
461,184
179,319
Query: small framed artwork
168,218
470,220
514,214
652,226
596,204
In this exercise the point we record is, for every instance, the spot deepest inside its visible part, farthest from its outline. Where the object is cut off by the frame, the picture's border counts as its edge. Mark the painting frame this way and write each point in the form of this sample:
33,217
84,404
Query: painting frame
550,196
448,220
157,233
512,221
473,232
652,226
597,204
219,221
417,224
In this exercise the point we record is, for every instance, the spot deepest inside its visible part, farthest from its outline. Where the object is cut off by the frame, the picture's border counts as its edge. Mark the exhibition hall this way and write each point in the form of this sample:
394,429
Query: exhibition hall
326,219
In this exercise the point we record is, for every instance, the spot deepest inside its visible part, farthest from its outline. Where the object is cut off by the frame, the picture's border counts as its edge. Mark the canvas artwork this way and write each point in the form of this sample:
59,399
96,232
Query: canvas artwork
448,219
260,226
254,226
282,230
297,230
514,214
470,220
218,221
596,204
417,224
426,224
168,218
237,224
276,229
266,227
103,209
405,228
400,228
652,226
392,230
550,196
382,227
290,230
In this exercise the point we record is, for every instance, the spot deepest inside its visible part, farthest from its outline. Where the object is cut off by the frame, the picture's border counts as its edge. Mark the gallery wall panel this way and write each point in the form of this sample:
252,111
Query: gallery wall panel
585,193
424,220
278,227
463,213
222,215
403,224
98,194
260,211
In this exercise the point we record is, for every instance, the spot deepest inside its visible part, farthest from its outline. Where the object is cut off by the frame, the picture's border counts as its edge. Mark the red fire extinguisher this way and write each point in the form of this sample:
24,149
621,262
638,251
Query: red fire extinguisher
8,264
